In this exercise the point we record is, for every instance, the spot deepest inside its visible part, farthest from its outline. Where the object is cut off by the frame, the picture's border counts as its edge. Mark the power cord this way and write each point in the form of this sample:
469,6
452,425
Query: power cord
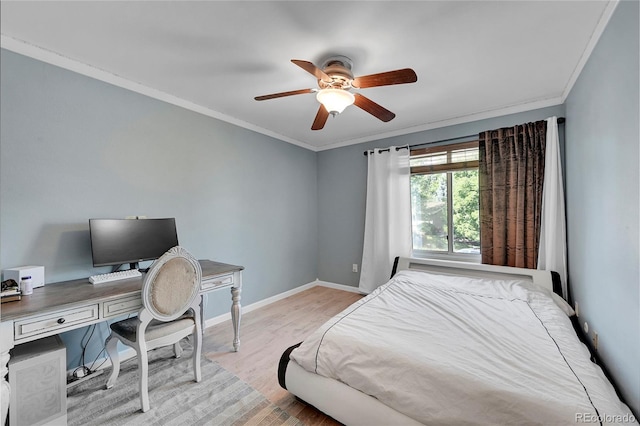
104,349
83,370
93,367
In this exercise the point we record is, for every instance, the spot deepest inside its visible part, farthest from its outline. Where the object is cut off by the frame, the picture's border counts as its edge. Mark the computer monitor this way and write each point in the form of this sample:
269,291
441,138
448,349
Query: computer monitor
121,241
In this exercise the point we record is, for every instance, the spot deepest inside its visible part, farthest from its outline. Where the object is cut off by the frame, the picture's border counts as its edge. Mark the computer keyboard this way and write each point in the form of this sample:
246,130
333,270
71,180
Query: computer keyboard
114,276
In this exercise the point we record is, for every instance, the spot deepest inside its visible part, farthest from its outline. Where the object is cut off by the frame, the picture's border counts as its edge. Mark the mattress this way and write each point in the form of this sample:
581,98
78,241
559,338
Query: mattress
452,350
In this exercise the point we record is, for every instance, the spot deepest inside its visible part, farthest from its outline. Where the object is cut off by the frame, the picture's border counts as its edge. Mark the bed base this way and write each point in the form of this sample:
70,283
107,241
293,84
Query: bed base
352,407
343,403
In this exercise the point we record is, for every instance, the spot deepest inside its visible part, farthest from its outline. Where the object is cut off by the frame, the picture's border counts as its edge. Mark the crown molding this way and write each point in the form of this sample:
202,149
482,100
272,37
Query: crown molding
595,37
53,58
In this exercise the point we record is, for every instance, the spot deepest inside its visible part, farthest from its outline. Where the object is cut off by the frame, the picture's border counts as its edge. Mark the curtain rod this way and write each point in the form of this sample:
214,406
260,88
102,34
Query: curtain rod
561,120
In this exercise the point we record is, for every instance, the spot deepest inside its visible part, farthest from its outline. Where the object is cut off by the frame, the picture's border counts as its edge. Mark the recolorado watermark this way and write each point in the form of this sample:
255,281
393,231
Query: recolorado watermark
604,418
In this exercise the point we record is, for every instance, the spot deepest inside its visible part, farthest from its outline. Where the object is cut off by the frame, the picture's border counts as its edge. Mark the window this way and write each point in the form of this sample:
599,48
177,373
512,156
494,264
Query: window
445,201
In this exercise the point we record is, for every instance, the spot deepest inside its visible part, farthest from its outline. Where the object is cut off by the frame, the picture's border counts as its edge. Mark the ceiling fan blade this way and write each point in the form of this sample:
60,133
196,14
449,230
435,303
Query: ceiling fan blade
373,108
282,94
406,75
312,69
321,118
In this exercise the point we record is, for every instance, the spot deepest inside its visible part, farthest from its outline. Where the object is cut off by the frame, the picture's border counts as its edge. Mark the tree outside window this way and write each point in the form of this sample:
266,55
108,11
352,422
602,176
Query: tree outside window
445,200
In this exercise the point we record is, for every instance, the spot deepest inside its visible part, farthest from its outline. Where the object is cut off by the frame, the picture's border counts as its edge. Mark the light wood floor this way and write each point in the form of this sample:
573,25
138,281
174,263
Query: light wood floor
265,333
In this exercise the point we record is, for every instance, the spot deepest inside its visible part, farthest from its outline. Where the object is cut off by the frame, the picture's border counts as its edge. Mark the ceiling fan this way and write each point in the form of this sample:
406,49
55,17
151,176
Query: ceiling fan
335,81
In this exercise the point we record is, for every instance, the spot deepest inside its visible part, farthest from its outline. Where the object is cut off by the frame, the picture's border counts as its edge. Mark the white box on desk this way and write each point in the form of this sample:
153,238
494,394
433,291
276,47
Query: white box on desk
35,272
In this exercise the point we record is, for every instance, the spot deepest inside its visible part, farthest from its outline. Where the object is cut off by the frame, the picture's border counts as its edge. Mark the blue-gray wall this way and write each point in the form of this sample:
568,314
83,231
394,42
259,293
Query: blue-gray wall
342,186
602,189
601,154
74,148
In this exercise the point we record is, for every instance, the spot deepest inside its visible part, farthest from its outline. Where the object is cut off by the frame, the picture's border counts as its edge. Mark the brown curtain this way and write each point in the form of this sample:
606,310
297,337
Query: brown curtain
511,174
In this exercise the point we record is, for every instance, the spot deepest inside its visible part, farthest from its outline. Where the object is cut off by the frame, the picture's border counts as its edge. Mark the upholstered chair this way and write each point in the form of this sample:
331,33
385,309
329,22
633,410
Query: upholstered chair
170,312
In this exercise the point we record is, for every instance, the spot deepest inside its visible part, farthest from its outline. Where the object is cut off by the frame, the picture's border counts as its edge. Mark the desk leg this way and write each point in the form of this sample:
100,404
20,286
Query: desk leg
236,314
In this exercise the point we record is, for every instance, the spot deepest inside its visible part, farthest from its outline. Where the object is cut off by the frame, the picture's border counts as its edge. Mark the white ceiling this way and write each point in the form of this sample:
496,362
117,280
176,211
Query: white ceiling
474,59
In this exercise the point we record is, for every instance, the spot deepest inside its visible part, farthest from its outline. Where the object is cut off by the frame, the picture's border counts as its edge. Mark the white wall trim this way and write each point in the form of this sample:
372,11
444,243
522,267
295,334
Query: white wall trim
336,286
128,353
498,112
595,36
264,302
104,362
36,52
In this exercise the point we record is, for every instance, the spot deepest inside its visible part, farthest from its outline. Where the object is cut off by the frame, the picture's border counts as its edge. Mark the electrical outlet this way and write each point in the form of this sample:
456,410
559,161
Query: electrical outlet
576,308
354,267
594,339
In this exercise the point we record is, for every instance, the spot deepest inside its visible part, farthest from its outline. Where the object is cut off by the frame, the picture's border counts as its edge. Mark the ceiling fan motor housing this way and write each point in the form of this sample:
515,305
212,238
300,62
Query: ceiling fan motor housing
339,69
335,81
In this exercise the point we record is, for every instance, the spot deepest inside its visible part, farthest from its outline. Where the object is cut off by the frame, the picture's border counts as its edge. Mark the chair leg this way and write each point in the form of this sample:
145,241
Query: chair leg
177,350
143,370
112,350
197,350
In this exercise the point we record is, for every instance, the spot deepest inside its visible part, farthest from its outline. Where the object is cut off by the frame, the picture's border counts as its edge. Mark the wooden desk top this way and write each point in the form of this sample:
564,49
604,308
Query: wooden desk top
211,268
67,294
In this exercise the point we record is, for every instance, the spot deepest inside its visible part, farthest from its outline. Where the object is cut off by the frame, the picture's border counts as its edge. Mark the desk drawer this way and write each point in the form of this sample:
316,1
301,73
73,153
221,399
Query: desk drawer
122,306
217,281
54,322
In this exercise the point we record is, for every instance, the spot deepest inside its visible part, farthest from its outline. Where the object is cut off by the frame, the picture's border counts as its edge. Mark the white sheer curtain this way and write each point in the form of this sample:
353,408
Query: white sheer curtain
387,228
552,253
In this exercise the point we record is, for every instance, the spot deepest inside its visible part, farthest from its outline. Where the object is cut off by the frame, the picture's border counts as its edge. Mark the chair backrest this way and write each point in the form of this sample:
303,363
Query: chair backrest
171,284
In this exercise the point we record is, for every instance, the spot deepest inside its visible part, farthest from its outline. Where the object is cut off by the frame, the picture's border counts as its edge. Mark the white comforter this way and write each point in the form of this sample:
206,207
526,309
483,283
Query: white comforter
449,350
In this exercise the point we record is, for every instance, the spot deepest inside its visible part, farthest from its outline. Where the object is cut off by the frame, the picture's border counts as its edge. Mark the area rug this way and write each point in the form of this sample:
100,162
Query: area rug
221,398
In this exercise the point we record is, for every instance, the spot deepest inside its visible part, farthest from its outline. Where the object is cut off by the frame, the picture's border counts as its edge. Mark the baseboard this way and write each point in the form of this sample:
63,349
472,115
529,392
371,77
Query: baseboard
342,287
264,302
248,308
74,382
102,363
130,353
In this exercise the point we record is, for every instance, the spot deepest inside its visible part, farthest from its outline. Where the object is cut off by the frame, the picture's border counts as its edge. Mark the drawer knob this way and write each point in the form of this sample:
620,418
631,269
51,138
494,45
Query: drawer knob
60,320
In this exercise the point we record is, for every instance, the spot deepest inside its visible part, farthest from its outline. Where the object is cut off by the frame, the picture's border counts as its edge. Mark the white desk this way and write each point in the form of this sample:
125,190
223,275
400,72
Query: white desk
59,307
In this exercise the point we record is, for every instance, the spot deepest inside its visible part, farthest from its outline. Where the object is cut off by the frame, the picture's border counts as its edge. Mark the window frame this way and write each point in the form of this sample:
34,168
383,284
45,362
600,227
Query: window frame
447,168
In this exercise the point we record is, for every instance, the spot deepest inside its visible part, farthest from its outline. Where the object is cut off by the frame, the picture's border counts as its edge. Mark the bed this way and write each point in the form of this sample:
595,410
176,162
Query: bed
451,343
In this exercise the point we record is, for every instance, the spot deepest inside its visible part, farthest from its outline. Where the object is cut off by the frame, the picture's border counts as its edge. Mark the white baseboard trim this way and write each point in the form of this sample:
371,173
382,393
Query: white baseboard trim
264,302
342,287
128,353
227,316
105,362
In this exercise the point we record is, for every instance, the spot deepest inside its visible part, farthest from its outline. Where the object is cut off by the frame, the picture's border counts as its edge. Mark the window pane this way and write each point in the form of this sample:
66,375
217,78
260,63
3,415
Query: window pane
466,223
429,211
429,160
464,155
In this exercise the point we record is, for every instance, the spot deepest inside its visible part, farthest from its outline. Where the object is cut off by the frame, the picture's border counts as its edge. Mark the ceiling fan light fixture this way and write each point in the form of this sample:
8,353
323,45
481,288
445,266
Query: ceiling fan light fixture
335,100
